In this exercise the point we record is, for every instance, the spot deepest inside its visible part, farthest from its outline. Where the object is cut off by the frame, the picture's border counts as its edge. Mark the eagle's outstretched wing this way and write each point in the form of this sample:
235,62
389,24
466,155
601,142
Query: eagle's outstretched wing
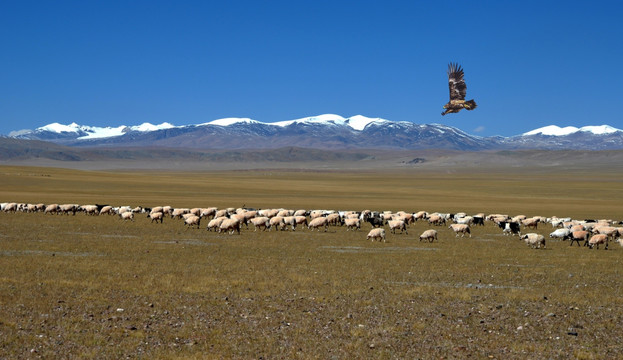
456,82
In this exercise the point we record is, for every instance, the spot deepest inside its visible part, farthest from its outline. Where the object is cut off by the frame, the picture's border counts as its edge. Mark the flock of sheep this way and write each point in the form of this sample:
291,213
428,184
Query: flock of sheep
592,233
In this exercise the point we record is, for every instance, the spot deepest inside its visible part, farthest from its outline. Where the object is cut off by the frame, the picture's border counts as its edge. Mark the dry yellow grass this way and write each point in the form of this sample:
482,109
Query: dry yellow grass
97,287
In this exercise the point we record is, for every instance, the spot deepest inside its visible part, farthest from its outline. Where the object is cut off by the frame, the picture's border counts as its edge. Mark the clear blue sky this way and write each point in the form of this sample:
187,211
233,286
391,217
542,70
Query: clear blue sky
527,64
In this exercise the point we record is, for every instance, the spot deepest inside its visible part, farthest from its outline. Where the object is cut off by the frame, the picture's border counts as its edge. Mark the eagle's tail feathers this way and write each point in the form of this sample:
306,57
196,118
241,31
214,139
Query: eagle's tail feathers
470,104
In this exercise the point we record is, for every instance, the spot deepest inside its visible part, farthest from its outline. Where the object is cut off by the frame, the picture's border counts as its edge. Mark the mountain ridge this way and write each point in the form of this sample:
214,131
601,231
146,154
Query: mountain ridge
327,131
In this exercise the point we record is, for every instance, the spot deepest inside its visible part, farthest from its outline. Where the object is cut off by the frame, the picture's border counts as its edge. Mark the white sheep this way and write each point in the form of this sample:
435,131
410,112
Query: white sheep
334,219
397,224
609,231
249,214
436,220
90,209
68,208
420,215
192,220
300,212
179,212
120,210
352,224
215,223
461,229
518,218
138,209
301,220
269,213
277,222
230,225
429,235
128,215
107,210
407,217
51,209
534,240
241,218
156,216
207,212
261,222
289,220
376,234
560,233
187,215
221,213
285,212
318,222
10,207
467,220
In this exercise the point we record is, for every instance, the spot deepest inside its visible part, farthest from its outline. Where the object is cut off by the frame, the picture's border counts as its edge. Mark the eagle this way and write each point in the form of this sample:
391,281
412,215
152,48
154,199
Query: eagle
457,91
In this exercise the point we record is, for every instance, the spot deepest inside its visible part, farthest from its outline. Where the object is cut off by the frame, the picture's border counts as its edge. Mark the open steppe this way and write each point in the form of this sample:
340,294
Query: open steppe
97,287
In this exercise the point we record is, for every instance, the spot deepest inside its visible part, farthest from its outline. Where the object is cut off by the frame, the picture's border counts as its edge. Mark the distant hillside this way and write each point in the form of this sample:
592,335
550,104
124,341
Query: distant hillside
17,149
41,153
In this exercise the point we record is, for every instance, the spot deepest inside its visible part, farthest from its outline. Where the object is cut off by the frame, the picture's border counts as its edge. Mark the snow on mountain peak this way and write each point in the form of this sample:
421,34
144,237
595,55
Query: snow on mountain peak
95,132
554,130
359,122
599,130
320,119
231,121
60,128
150,127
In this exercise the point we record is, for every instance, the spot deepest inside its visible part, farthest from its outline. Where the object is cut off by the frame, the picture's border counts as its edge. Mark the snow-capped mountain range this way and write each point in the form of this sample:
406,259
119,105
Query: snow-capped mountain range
324,132
357,122
553,130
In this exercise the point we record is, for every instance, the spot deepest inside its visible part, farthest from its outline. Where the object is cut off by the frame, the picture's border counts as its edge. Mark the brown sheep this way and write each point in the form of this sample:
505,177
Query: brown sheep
579,235
598,239
531,223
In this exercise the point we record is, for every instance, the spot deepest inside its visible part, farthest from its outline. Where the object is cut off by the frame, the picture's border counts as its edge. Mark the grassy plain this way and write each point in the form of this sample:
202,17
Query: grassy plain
97,287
